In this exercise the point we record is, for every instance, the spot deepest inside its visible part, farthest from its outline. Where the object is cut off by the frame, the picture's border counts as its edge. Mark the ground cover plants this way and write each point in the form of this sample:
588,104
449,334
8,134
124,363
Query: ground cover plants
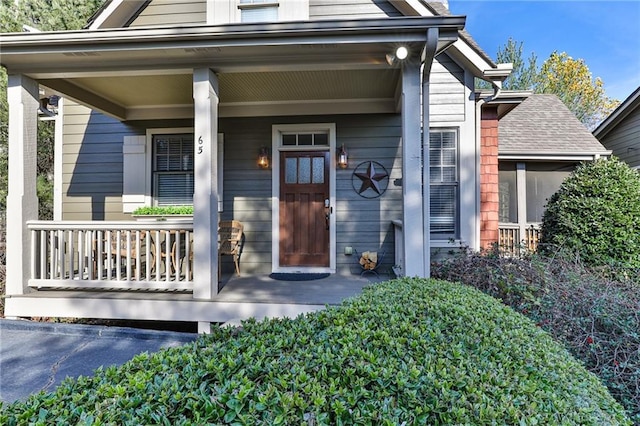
593,312
409,351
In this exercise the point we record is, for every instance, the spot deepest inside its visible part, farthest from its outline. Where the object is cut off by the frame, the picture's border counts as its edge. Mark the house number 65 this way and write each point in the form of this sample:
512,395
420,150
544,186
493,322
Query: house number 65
200,145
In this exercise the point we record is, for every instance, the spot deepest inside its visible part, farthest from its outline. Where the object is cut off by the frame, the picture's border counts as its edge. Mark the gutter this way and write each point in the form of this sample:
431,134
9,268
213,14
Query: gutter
398,27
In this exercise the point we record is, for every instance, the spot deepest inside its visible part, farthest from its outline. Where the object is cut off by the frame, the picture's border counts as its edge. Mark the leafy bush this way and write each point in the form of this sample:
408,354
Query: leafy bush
593,315
409,351
596,212
162,210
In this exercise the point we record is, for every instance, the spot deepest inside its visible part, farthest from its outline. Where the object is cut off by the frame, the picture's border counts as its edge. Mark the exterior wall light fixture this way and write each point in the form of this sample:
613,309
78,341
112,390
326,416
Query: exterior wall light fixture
263,158
343,158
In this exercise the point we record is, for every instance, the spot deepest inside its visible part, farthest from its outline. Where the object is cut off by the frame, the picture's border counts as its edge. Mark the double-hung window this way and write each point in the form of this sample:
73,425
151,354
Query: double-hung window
173,169
258,10
443,173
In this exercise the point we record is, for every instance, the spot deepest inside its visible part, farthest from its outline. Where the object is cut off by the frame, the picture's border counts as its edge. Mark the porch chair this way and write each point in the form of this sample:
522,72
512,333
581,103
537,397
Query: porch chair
231,237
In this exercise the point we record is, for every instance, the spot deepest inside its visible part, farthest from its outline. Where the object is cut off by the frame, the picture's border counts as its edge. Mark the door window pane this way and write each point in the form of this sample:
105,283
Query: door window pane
318,169
305,139
291,170
304,170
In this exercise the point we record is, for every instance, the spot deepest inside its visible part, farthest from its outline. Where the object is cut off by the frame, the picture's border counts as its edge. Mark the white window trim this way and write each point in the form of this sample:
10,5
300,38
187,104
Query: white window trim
458,219
148,195
149,201
276,138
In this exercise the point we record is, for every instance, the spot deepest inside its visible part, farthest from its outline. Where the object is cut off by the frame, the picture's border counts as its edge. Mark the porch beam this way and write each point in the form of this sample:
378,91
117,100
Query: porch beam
22,202
87,98
205,195
412,202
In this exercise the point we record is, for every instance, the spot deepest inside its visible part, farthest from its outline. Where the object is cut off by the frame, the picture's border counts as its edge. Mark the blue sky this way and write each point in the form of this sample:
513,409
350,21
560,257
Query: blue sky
605,34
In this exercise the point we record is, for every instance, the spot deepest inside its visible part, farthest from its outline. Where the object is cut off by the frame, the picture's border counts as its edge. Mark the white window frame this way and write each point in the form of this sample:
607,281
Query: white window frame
149,199
456,235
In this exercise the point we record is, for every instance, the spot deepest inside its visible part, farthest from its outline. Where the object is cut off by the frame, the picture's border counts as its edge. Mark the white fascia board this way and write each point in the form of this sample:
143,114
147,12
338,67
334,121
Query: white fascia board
116,14
247,34
619,114
553,156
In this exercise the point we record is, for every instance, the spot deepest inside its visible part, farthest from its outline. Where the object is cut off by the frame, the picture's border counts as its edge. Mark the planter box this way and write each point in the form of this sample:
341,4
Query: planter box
164,218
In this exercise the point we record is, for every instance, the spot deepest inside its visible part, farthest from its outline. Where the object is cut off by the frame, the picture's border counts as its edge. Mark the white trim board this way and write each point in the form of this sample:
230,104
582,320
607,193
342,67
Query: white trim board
276,131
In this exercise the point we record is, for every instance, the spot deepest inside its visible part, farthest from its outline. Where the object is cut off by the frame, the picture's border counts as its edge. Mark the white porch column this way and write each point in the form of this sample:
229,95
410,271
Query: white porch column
412,208
22,202
205,195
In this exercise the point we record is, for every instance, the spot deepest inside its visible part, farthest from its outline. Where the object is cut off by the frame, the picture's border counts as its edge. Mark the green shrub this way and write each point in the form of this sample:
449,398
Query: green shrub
409,351
596,213
162,210
594,315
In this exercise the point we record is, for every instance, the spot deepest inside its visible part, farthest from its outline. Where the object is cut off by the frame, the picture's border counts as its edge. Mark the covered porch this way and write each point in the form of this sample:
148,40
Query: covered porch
195,80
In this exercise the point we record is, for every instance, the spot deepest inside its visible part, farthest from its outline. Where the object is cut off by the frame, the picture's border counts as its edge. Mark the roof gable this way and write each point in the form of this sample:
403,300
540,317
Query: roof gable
542,124
631,104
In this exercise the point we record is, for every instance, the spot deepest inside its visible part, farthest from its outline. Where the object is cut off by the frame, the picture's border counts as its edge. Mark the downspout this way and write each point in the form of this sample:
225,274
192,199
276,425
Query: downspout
496,77
428,55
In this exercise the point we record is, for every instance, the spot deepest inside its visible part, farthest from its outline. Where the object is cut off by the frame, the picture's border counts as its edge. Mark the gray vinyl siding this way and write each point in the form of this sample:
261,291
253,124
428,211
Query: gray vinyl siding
92,178
91,164
92,161
446,91
624,139
361,223
172,12
338,9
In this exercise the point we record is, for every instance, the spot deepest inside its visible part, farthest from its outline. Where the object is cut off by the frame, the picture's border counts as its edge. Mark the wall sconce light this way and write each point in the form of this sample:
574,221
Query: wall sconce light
400,54
263,158
343,158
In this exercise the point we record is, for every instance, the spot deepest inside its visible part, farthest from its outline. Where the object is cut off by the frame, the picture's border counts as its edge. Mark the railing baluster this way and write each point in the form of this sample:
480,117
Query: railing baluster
167,255
187,245
93,255
127,254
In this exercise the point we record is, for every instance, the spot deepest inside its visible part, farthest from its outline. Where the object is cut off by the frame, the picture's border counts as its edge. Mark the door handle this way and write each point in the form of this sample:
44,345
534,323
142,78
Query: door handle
327,212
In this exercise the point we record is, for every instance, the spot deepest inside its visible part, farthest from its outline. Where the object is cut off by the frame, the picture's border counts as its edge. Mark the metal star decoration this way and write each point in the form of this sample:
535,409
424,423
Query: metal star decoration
371,179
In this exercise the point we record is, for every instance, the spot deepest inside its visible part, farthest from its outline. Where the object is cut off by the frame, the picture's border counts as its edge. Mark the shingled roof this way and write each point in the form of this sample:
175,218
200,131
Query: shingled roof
542,124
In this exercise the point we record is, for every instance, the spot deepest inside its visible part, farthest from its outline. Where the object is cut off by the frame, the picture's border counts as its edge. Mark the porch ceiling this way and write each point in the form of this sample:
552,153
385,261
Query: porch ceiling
177,89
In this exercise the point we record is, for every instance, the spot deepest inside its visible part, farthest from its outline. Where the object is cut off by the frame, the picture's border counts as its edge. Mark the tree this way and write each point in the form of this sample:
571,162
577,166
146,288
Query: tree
567,78
596,213
524,73
571,80
46,15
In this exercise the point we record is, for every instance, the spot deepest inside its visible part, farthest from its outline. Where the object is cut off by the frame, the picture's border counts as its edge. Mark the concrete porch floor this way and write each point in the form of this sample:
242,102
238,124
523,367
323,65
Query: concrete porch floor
263,289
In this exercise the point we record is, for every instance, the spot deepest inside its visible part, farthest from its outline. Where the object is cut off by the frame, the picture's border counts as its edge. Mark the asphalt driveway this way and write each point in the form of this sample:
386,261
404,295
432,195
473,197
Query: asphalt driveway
38,356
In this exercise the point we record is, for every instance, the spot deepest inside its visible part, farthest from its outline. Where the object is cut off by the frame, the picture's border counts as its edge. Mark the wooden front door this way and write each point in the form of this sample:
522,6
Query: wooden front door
304,208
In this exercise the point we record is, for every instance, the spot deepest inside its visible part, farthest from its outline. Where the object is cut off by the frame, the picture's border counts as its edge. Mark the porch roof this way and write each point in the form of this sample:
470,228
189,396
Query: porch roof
121,71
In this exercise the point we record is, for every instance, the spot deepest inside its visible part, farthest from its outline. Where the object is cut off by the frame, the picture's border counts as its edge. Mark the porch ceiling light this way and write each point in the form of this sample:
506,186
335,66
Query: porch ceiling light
263,158
401,53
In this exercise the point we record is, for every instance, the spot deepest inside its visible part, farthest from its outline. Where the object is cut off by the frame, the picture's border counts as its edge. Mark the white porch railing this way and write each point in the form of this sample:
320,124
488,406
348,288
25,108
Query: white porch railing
514,240
112,255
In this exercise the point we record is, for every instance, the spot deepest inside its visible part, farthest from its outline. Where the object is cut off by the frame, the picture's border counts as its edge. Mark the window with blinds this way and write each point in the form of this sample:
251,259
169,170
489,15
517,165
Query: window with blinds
443,174
258,10
173,169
